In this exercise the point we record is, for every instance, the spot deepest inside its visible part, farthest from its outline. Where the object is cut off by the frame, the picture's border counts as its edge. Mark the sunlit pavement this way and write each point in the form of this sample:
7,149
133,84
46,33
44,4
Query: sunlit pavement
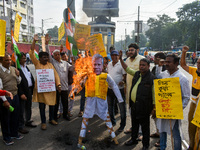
64,136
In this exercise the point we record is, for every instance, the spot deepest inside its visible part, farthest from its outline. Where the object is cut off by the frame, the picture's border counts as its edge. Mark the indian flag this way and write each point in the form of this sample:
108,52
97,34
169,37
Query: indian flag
16,50
36,54
70,41
71,19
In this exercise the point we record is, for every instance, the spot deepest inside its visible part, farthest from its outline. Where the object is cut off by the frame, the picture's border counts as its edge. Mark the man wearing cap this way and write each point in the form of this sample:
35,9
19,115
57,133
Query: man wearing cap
118,74
62,68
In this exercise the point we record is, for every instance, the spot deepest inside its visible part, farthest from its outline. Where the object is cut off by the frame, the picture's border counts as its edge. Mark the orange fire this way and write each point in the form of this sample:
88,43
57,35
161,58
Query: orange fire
83,69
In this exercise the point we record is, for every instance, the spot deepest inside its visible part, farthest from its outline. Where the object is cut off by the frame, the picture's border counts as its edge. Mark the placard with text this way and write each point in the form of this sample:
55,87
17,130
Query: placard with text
45,80
168,98
196,119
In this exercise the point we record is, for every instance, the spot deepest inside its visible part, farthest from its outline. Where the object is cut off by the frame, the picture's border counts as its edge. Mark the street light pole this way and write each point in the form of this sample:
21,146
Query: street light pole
43,25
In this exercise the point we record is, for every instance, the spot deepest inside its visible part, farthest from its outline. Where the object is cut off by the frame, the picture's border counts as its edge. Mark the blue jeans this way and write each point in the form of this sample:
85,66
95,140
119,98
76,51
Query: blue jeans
42,107
82,100
176,136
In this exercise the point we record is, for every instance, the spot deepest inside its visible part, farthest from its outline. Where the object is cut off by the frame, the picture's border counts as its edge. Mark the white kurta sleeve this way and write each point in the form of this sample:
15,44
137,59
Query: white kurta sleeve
115,88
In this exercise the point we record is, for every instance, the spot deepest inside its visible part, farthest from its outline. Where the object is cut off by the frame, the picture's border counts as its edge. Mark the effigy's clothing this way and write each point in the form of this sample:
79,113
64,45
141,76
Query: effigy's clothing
98,106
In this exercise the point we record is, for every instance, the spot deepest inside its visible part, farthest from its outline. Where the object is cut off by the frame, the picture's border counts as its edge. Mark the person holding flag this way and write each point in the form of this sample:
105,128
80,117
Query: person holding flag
10,120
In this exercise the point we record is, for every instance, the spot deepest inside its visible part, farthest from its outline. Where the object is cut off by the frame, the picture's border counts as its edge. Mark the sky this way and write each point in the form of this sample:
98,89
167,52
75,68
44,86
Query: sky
128,9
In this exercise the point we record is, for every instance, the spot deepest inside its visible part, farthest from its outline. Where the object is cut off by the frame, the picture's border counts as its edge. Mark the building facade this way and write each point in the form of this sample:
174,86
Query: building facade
25,10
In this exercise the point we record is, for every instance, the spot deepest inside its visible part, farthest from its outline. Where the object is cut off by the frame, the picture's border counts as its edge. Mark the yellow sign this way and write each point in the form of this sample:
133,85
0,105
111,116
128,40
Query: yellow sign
2,37
168,98
95,45
196,119
18,19
82,32
61,31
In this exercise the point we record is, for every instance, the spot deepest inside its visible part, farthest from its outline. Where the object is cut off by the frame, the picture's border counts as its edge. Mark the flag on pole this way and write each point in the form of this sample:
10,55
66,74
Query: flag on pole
70,38
71,19
16,50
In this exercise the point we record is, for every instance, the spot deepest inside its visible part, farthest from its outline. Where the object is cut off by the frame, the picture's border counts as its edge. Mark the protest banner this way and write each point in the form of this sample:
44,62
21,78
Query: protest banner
196,119
95,45
43,44
2,37
18,19
82,32
61,31
168,98
45,80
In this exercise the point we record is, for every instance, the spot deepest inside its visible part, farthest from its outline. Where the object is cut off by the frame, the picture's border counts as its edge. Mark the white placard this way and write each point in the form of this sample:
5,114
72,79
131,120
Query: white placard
45,80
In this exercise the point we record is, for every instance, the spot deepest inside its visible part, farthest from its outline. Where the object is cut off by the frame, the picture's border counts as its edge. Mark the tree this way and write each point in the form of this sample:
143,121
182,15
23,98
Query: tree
155,33
53,32
189,21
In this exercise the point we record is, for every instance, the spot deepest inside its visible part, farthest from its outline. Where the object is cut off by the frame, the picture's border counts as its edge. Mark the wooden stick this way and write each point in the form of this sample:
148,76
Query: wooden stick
171,135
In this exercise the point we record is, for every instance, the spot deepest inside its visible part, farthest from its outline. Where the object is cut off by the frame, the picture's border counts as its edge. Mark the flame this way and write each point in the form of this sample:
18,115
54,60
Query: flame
83,69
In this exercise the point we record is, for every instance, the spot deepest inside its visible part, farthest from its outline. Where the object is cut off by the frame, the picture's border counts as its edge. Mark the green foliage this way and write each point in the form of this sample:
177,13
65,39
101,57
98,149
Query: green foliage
53,32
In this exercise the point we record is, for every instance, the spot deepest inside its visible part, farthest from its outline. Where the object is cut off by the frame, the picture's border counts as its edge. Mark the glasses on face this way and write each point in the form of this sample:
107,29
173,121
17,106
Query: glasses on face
131,50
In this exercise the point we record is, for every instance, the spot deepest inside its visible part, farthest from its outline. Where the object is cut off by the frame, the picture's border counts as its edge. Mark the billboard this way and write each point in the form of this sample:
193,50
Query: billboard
101,7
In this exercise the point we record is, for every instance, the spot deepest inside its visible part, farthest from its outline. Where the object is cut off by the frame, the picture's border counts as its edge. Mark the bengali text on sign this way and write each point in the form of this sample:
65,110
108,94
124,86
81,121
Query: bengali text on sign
168,98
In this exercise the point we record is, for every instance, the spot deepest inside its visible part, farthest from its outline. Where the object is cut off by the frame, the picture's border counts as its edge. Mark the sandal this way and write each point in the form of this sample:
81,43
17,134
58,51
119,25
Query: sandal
80,114
128,131
155,135
157,144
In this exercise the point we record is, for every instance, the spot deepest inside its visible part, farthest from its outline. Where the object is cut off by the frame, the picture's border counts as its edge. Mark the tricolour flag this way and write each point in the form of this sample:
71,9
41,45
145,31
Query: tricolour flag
16,50
70,38
36,54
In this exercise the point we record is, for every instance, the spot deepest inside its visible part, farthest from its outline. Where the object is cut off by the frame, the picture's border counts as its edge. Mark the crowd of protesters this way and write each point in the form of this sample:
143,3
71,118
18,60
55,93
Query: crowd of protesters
129,84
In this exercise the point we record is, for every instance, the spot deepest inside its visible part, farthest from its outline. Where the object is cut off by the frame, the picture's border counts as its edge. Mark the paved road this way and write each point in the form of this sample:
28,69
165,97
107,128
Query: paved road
64,136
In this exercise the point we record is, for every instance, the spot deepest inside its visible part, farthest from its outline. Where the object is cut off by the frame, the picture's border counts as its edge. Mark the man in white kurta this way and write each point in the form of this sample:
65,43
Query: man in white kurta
96,105
163,125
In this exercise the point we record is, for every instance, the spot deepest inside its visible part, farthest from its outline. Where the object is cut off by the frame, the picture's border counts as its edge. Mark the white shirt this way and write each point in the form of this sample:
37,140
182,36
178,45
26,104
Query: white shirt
116,72
163,125
27,75
1,87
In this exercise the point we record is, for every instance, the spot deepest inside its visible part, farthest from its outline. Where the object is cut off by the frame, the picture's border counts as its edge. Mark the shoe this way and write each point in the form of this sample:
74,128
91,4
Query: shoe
128,131
67,118
70,114
59,115
19,137
80,114
131,142
120,129
155,135
30,124
53,122
140,137
8,142
157,144
43,126
23,131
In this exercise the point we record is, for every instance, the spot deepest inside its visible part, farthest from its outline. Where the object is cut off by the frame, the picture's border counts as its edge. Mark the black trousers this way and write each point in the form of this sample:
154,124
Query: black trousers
64,99
145,125
10,120
25,109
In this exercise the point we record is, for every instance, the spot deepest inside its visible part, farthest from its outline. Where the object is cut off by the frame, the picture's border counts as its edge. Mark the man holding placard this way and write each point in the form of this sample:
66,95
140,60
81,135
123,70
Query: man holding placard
44,91
195,72
169,123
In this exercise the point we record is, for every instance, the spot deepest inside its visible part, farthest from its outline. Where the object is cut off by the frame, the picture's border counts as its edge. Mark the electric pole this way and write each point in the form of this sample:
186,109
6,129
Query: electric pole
138,27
